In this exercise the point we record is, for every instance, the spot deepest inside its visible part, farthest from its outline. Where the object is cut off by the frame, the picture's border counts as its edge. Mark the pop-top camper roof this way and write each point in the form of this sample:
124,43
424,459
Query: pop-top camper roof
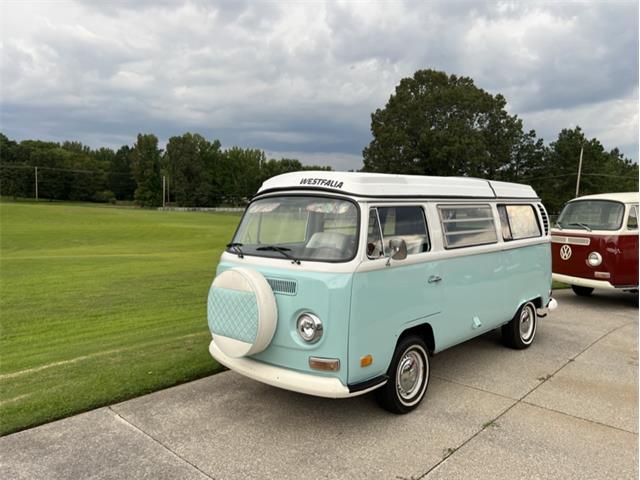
382,185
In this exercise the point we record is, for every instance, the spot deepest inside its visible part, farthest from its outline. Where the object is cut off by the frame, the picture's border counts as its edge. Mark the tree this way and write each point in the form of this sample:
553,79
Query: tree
16,179
526,159
436,124
120,177
238,172
145,163
555,178
186,158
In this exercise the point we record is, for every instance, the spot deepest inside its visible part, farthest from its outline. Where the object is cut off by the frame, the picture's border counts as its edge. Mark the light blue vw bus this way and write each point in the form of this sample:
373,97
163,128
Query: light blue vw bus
336,284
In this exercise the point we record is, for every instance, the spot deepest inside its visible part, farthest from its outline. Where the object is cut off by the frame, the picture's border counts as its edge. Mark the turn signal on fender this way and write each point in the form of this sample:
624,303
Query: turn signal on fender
366,361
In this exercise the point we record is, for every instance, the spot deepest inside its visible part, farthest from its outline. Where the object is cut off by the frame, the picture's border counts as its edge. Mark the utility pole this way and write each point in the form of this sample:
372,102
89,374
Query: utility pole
579,171
164,184
36,184
168,190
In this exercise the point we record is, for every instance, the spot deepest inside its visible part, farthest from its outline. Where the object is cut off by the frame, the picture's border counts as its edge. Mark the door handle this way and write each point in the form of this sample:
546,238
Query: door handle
434,279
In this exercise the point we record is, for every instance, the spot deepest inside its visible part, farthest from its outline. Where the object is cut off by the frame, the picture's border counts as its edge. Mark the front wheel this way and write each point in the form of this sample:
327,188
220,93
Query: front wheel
408,377
581,291
521,330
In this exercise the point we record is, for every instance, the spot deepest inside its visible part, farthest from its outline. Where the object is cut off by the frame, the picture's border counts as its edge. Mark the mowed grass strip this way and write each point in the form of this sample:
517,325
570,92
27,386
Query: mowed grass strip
100,304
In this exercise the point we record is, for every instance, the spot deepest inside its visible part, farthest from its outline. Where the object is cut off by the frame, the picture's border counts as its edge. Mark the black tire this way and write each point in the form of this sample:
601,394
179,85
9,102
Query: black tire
581,291
410,355
521,330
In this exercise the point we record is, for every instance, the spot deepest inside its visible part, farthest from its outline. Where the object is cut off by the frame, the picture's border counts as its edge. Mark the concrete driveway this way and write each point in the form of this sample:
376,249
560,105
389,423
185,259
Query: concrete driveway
565,408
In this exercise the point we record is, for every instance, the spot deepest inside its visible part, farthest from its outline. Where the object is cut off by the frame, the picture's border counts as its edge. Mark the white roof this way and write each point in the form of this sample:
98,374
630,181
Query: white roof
387,185
624,197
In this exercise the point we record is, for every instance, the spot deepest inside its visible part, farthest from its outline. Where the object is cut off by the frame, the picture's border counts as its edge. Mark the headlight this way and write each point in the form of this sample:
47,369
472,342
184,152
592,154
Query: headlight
309,327
594,259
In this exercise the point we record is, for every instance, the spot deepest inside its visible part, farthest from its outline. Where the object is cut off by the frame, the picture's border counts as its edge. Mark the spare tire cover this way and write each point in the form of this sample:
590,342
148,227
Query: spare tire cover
242,312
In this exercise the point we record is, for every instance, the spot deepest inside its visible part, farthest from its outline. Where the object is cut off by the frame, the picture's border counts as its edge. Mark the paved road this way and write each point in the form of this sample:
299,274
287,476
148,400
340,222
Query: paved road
565,408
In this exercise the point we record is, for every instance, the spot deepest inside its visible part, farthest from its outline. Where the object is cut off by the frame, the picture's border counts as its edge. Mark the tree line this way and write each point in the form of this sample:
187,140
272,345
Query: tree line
197,172
433,124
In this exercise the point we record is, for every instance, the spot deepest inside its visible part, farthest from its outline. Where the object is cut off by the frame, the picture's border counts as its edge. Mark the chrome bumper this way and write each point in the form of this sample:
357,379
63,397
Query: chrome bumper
552,305
582,282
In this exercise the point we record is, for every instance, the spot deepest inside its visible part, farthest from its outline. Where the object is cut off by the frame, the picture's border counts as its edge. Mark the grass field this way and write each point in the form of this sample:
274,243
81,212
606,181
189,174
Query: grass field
100,304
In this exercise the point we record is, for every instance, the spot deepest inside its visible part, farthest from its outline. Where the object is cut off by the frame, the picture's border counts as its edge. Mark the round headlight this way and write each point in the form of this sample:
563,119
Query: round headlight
309,327
594,259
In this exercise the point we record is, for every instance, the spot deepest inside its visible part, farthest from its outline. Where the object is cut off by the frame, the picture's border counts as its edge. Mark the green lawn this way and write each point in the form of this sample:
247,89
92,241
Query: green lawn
100,304
559,286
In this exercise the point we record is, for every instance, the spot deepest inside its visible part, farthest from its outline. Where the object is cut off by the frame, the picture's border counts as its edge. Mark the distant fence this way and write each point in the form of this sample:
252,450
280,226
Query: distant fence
201,209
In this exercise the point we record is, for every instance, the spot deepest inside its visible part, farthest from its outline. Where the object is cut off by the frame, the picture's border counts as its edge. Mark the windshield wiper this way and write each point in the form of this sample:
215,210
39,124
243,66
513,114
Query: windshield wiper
236,248
583,225
559,225
282,250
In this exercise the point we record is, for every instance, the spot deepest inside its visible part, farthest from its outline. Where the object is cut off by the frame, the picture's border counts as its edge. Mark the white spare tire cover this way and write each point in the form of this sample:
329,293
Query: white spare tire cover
242,312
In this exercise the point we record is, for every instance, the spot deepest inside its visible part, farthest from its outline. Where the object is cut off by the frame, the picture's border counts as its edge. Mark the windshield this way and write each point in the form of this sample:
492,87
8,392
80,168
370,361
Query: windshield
592,215
299,228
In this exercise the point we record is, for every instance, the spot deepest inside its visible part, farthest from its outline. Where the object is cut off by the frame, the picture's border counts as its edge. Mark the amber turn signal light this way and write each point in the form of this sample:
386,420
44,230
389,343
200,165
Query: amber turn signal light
366,361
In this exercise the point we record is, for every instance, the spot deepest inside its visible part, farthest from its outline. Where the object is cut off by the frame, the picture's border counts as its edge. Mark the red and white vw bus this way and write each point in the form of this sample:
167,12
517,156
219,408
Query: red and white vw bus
595,243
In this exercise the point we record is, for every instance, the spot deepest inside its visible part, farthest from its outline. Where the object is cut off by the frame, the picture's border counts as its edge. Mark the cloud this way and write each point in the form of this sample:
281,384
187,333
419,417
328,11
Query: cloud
301,79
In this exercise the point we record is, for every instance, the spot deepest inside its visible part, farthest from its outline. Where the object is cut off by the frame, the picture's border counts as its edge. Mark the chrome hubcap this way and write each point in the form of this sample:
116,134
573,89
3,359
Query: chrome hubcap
410,374
526,323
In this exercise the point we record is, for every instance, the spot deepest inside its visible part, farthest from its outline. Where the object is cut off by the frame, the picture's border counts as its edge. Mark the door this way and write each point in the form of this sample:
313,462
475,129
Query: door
473,274
389,295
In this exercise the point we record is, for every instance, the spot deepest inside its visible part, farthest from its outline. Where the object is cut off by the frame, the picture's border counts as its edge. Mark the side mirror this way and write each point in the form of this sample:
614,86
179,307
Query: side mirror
398,248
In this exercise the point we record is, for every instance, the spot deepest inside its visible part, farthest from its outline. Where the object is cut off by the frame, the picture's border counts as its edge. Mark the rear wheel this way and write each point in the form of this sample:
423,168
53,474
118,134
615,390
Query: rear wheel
521,330
408,377
581,291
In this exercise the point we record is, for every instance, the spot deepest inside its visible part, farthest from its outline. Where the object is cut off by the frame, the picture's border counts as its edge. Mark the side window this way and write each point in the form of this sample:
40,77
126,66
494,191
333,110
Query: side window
632,221
467,225
518,222
375,248
387,223
406,223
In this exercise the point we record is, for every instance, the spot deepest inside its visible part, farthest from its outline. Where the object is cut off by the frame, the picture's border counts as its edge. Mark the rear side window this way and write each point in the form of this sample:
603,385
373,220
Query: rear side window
467,225
406,223
518,222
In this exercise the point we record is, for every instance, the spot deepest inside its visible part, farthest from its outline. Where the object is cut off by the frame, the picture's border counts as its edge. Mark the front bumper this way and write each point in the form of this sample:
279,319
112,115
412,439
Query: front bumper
284,378
582,282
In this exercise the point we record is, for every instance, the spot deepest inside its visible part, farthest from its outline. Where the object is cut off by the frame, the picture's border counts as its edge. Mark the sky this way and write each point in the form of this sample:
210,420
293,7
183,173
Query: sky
301,79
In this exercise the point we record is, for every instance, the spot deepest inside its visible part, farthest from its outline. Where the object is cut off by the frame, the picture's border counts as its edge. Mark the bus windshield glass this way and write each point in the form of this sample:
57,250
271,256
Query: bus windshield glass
299,228
591,215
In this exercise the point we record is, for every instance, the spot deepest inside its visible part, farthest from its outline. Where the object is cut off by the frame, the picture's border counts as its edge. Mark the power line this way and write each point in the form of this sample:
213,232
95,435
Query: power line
574,174
57,169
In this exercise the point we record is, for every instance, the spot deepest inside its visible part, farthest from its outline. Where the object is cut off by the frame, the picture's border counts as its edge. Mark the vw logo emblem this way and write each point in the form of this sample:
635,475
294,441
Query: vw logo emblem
565,252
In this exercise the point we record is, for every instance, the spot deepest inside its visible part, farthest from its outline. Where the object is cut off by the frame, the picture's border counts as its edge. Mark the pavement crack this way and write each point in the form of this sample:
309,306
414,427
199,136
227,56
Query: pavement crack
595,422
573,359
452,451
155,440
444,379
548,377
